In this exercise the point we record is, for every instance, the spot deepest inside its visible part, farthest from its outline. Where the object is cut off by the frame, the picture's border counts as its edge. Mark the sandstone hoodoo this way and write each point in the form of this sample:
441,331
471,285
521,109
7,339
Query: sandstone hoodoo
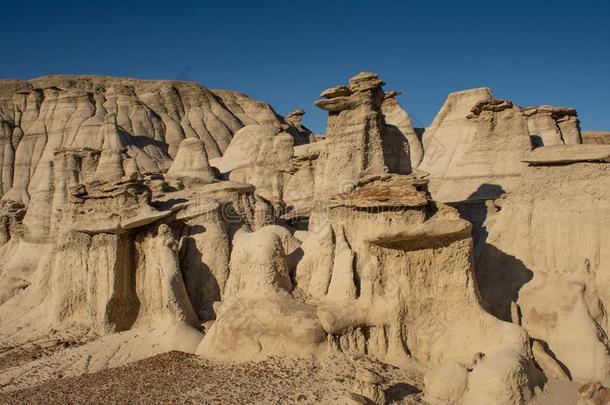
463,264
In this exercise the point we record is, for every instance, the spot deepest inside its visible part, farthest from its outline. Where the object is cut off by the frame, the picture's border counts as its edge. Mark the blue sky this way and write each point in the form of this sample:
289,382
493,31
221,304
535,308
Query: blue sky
287,52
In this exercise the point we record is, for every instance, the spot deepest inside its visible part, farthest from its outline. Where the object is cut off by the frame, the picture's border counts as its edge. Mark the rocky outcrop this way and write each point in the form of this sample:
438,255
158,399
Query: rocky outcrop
191,165
258,316
255,241
545,251
596,137
550,125
473,152
358,140
301,134
554,155
474,147
396,116
146,120
361,280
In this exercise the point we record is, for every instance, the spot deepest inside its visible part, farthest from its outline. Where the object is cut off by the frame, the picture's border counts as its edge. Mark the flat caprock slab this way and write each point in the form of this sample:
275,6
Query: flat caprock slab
562,154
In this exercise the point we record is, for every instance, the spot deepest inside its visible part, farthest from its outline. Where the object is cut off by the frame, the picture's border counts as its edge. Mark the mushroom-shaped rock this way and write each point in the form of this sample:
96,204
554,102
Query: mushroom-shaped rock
358,140
295,117
191,163
258,316
301,135
364,81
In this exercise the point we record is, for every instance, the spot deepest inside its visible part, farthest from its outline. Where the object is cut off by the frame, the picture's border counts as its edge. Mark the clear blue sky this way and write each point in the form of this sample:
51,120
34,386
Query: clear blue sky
286,52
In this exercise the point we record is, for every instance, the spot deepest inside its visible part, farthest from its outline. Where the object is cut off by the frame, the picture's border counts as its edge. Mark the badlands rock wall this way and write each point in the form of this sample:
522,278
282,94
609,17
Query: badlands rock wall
254,241
596,137
550,255
294,175
473,148
151,117
522,178
550,125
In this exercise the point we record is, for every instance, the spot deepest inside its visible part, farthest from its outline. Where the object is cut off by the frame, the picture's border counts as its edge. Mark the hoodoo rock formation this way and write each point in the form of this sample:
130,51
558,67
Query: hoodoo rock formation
141,217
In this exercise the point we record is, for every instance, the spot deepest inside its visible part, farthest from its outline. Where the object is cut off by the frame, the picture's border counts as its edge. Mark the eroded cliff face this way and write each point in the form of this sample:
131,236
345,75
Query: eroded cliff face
150,118
474,147
596,137
142,217
547,251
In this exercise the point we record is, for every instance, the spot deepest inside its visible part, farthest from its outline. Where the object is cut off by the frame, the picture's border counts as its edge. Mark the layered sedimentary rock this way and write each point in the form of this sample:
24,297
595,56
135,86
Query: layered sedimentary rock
362,280
596,137
302,135
550,125
150,118
546,251
171,217
358,140
191,164
473,152
285,171
474,147
395,115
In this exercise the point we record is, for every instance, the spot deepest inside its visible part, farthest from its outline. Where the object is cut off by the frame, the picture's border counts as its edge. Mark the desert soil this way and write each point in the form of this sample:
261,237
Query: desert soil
178,377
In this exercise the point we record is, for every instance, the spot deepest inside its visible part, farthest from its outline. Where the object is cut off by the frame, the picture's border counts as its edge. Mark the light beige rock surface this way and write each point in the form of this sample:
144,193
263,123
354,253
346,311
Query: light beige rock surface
191,163
553,125
140,217
395,115
446,383
547,250
596,137
474,147
548,155
358,140
150,118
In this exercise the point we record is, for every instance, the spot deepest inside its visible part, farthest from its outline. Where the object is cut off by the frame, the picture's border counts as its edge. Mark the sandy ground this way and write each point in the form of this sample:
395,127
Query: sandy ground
183,378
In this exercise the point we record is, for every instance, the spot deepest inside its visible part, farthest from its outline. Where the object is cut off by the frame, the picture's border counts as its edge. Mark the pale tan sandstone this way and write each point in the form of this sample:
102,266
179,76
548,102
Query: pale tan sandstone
395,115
596,137
553,125
358,140
151,117
446,383
504,377
141,217
191,163
474,146
544,360
550,155
545,251
593,393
